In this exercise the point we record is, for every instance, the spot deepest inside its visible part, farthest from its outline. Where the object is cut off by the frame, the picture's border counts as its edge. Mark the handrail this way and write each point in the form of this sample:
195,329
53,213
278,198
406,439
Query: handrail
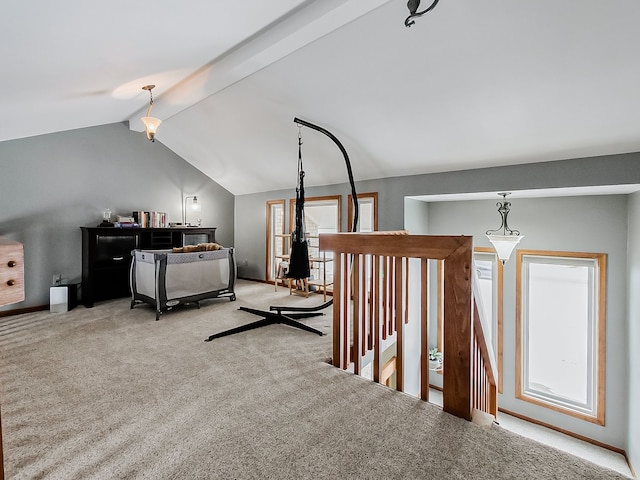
371,302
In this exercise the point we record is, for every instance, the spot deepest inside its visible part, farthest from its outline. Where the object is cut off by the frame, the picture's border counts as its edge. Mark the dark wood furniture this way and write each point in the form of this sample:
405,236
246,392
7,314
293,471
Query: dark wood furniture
106,255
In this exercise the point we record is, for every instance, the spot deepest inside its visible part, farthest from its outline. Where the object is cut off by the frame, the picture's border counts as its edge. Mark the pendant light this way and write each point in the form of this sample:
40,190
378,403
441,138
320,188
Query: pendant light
413,6
151,124
504,239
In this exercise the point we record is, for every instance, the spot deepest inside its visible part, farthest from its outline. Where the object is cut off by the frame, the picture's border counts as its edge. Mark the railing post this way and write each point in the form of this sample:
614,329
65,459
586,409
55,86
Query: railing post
457,396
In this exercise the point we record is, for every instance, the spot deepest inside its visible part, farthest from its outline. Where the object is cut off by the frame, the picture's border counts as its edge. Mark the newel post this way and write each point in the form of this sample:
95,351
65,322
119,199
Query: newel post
458,330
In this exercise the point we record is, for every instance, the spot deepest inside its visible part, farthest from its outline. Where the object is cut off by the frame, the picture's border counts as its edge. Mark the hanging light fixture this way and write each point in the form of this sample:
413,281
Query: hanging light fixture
503,239
151,124
413,6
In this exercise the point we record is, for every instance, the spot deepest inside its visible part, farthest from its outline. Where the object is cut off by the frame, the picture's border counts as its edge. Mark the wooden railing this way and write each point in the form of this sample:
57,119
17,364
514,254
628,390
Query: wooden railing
372,304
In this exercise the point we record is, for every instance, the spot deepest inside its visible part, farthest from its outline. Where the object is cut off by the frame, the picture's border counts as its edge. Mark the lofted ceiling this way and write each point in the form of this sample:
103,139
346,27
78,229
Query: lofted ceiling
472,84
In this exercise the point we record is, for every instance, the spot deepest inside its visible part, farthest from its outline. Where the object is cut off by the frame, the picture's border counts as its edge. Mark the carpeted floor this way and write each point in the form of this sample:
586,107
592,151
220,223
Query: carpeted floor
109,393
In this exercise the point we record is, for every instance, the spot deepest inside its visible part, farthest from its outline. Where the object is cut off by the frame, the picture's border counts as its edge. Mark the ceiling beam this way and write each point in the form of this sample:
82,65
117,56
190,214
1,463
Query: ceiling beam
302,26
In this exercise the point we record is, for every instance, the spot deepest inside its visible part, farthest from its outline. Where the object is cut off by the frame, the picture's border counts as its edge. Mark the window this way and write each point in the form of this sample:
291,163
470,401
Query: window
560,330
321,215
275,236
367,212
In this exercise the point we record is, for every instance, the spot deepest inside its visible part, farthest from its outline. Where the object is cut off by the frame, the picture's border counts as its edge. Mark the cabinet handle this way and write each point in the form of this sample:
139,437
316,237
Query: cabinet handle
117,259
12,263
11,282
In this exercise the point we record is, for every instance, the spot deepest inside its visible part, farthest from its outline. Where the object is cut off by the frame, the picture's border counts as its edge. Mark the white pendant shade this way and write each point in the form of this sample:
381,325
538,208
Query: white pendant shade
151,125
504,244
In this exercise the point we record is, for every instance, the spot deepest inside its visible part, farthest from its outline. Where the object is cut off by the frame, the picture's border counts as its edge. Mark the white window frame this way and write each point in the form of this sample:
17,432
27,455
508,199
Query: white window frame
275,237
593,410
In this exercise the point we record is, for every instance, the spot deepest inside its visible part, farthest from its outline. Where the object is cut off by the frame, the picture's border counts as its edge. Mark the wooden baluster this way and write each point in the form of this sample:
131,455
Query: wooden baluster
424,331
480,381
487,395
375,301
493,400
362,299
396,300
338,334
357,357
477,382
487,389
473,378
372,299
406,289
346,309
390,291
399,324
384,306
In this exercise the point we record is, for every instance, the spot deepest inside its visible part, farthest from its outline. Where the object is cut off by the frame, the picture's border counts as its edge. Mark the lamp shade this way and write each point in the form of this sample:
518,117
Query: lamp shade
504,245
151,125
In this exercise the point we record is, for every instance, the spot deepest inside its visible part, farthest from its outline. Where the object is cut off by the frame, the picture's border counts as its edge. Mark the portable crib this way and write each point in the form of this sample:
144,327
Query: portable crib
165,279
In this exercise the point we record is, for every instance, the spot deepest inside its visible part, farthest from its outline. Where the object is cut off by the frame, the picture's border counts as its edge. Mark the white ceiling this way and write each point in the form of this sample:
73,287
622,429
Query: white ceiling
471,84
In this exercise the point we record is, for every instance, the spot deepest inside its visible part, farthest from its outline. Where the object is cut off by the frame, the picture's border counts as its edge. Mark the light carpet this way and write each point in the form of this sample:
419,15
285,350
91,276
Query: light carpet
110,393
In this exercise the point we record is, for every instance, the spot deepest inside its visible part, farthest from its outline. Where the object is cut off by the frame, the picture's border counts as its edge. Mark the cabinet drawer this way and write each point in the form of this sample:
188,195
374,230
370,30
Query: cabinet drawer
112,251
11,272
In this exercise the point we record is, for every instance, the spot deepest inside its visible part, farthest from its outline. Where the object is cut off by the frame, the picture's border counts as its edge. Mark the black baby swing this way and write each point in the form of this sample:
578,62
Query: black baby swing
299,254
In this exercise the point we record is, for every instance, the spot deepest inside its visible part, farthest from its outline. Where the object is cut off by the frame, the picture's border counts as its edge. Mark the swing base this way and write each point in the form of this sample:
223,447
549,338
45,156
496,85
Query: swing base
283,315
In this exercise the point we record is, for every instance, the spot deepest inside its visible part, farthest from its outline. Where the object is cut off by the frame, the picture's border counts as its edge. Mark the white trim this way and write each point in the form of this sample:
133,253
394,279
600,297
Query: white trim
588,407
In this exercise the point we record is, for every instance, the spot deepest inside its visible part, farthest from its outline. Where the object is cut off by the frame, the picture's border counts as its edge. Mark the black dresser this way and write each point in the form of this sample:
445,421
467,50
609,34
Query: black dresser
106,255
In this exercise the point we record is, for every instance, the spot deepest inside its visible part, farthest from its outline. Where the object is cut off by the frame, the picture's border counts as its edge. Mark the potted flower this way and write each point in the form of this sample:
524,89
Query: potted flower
435,359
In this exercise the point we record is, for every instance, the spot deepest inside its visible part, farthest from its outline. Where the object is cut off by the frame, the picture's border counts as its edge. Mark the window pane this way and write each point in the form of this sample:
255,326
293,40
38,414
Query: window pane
484,274
365,215
488,285
367,203
559,324
320,216
275,229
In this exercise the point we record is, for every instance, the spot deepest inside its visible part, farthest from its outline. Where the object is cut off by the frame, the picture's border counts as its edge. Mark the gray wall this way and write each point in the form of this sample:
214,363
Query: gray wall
633,338
250,216
416,216
53,184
